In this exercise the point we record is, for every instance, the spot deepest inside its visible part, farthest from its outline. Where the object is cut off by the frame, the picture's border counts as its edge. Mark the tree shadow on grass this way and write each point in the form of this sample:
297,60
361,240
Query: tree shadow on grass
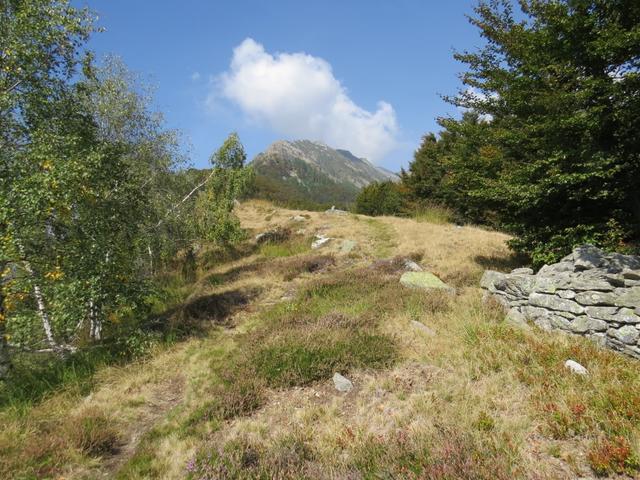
34,376
502,263
234,273
216,256
218,308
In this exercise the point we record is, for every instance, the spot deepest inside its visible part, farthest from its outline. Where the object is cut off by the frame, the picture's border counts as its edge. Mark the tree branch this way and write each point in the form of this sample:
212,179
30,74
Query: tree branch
195,189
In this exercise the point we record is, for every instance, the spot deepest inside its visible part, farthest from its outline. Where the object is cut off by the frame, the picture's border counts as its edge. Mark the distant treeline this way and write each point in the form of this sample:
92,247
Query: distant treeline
548,148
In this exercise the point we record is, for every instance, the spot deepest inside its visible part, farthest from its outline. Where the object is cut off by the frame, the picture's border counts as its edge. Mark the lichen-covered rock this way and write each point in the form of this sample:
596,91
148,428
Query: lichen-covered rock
553,302
627,334
423,281
626,315
630,298
584,324
589,293
595,298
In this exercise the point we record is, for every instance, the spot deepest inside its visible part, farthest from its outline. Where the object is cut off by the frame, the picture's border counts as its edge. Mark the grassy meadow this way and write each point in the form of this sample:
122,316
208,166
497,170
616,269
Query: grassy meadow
246,391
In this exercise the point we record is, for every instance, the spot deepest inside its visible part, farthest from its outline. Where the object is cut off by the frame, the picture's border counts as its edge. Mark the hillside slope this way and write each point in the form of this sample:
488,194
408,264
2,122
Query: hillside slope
304,171
443,388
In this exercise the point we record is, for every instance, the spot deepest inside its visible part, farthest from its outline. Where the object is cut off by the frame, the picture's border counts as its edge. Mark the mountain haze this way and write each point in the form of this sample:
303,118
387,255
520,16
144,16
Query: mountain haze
306,172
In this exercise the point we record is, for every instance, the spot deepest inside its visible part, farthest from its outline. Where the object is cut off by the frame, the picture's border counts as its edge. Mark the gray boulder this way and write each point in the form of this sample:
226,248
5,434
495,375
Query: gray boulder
342,384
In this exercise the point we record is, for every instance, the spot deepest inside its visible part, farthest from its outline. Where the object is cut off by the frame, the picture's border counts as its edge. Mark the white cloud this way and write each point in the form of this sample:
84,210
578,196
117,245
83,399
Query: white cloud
296,95
195,76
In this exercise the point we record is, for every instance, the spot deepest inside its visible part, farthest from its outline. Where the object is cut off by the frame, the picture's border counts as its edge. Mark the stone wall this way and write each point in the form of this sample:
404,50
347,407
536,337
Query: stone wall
589,293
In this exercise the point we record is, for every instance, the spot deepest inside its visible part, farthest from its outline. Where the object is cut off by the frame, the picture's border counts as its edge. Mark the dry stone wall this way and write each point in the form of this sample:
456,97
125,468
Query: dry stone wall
589,293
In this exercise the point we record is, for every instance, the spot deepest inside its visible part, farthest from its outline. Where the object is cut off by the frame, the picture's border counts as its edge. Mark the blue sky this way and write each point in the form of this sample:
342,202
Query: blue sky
363,75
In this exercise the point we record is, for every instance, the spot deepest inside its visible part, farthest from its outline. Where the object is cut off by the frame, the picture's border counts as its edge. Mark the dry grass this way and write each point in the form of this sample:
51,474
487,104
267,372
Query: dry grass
252,397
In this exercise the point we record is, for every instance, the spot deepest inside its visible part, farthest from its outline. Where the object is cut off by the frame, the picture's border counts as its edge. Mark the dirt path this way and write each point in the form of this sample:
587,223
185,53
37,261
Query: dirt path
166,396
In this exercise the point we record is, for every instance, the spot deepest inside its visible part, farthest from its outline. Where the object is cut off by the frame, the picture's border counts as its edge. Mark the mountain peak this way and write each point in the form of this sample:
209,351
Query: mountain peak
316,170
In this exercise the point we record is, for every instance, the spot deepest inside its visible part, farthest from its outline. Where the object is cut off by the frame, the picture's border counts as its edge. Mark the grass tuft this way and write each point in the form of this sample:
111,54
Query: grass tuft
293,246
436,214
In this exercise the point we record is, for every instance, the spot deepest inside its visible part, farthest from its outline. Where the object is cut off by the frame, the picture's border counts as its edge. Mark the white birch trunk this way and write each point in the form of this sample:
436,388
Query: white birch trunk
95,324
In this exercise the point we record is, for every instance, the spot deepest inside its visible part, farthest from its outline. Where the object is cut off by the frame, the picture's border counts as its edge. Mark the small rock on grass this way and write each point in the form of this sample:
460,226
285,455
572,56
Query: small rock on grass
411,266
575,367
423,328
342,384
320,241
347,246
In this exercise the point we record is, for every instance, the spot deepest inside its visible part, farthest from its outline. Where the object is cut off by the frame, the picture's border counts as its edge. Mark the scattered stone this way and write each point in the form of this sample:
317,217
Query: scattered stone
575,367
298,218
342,384
411,266
334,211
423,328
347,246
320,241
423,281
276,235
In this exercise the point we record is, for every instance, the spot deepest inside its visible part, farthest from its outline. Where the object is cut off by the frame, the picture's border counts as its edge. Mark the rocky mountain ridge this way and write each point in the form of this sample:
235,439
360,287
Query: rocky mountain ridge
317,172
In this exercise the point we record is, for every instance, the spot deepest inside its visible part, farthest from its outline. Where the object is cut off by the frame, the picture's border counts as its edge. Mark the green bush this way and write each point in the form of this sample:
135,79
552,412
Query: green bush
379,198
